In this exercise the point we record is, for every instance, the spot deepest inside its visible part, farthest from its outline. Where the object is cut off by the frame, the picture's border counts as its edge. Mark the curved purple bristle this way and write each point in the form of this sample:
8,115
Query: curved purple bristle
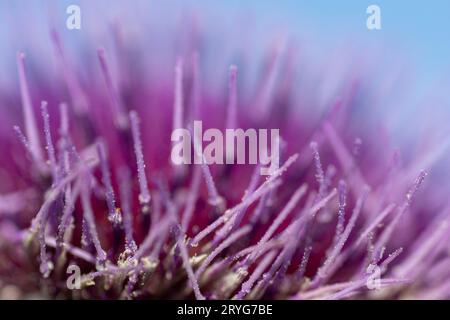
49,142
114,215
120,117
144,195
28,112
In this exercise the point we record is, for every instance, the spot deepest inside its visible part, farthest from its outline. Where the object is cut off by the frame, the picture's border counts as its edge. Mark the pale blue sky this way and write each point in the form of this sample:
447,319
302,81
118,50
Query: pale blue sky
419,28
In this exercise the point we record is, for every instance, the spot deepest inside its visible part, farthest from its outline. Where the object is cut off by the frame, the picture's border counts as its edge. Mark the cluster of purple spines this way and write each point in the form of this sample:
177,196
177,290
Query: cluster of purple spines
87,180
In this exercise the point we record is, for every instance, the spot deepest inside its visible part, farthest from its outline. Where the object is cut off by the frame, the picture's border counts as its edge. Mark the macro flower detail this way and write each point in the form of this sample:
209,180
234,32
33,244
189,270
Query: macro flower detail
88,179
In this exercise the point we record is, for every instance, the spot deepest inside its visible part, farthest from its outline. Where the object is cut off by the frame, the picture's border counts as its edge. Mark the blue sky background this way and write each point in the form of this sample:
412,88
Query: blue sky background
420,28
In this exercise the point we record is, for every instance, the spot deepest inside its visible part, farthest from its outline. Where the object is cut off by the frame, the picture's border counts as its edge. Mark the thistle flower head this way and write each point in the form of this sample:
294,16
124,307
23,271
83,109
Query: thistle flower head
91,183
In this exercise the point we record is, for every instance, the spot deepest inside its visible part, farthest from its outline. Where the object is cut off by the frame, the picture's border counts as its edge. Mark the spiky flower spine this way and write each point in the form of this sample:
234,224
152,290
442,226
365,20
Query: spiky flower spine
96,189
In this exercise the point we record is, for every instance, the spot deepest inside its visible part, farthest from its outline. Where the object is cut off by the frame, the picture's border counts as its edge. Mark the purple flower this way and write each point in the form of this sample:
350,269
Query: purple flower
88,181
